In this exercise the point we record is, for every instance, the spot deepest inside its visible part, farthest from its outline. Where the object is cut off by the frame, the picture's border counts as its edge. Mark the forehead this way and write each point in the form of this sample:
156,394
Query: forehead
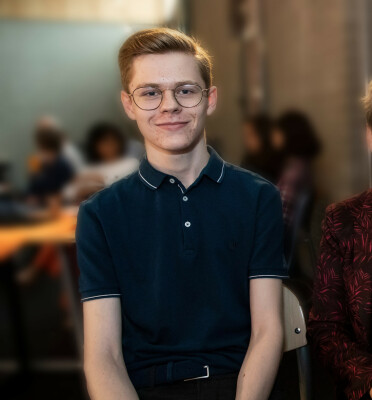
165,69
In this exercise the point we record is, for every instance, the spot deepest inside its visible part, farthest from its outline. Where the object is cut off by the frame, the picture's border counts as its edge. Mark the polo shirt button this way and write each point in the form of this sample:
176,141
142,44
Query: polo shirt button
171,180
187,224
185,198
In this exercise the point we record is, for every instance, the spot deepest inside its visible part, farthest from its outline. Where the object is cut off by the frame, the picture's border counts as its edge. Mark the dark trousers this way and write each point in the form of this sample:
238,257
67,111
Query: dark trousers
219,387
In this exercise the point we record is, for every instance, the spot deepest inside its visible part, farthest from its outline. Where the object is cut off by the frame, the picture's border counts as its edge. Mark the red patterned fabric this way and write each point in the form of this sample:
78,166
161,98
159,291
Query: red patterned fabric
340,321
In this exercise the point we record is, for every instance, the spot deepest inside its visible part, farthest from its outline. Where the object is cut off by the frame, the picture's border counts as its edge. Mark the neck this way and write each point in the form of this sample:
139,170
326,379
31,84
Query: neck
184,166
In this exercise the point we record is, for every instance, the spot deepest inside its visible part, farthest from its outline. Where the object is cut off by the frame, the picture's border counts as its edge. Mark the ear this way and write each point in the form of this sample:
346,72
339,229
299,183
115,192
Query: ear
128,105
212,100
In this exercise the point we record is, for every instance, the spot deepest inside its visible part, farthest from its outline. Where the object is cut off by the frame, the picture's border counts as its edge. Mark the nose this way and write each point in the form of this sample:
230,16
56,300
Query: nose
169,103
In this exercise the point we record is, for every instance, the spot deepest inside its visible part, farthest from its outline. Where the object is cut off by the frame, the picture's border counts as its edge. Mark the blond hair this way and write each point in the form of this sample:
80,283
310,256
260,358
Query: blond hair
160,41
367,104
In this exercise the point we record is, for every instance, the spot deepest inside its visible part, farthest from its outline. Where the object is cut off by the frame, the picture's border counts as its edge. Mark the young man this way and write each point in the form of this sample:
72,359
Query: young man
172,257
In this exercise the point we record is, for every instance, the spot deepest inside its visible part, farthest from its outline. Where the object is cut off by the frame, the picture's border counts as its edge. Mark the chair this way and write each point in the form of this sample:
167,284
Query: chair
296,304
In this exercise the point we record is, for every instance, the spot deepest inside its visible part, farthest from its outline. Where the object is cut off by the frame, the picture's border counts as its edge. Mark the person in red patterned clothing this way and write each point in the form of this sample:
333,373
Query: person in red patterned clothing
340,321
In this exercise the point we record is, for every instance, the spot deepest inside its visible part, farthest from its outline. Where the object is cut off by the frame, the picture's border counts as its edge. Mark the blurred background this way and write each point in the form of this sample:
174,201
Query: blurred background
290,76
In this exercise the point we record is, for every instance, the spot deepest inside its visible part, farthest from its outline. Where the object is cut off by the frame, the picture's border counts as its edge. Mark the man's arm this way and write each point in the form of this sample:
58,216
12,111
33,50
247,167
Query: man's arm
105,371
260,365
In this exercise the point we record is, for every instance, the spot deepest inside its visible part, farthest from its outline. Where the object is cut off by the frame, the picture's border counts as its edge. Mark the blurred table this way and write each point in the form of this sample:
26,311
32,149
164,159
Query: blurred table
59,231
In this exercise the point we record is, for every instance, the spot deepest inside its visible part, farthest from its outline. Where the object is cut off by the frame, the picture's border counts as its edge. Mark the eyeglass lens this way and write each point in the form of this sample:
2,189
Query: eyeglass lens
149,98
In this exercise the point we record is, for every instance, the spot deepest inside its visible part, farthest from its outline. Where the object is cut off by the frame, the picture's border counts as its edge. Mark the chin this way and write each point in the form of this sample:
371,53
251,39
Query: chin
176,143
176,146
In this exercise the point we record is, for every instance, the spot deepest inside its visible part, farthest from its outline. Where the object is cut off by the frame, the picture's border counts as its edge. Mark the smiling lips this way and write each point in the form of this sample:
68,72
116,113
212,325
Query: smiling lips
173,126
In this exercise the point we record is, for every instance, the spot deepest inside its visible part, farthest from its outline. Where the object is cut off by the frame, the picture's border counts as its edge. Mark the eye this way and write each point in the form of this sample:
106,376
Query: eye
186,90
149,92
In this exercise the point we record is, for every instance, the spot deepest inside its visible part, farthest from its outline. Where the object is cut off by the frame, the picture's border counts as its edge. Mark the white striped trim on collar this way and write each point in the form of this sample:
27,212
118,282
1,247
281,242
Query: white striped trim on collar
223,165
155,187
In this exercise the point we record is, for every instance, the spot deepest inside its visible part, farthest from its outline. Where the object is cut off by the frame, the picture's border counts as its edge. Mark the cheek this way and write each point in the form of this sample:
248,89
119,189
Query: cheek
195,118
198,116
144,120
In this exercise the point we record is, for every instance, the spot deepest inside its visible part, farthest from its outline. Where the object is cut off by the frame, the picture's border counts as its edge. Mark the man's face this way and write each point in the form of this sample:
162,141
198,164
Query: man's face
171,127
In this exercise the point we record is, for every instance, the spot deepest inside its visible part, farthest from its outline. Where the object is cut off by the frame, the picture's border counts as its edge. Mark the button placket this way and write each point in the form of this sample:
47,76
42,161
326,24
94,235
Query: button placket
180,188
186,218
187,222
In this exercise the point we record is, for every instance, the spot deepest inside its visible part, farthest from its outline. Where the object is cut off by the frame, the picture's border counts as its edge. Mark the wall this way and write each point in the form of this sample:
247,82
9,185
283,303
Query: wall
209,24
63,68
314,62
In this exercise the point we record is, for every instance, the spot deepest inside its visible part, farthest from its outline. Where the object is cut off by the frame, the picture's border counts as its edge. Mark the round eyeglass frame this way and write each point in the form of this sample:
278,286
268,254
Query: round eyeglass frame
173,90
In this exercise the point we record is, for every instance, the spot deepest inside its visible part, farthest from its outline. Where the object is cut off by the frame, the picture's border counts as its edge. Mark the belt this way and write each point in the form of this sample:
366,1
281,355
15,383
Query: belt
171,372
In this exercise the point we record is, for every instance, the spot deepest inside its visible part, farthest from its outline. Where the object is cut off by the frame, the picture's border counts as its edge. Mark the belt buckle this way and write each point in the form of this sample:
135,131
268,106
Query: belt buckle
200,377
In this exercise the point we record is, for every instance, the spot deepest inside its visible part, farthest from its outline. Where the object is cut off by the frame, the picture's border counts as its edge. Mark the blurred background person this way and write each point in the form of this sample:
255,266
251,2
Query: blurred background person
49,173
69,150
296,143
5,184
107,160
296,146
49,170
259,155
340,321
105,144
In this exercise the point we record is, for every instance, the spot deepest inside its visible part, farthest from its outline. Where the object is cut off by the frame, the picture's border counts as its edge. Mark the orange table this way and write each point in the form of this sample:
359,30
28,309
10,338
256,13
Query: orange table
59,230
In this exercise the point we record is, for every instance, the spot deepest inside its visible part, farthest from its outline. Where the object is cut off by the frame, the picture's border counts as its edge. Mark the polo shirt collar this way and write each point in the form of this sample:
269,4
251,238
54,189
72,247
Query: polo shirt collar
215,167
153,178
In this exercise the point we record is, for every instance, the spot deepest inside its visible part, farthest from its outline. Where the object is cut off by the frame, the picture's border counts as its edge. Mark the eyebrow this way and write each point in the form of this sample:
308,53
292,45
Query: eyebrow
156,85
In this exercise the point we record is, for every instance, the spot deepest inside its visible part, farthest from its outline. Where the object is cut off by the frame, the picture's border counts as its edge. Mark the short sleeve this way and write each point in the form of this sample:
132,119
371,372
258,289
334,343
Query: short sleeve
97,273
267,260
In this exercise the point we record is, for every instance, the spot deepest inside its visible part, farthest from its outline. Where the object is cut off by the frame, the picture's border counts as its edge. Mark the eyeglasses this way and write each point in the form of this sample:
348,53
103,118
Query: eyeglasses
150,98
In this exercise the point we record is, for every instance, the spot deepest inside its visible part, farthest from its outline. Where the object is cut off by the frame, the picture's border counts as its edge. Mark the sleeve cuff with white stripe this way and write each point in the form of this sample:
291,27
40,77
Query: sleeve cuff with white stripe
261,273
99,294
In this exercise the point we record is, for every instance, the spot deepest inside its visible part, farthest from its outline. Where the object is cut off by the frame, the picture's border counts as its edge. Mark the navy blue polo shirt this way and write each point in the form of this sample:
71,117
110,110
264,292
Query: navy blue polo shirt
180,260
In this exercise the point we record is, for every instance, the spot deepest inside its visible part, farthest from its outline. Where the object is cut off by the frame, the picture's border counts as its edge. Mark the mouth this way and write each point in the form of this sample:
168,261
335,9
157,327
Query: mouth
172,126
